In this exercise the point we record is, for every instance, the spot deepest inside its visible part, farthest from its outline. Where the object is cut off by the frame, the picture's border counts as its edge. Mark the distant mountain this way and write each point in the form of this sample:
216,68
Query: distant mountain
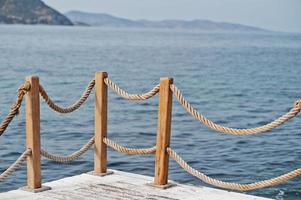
94,19
105,20
30,12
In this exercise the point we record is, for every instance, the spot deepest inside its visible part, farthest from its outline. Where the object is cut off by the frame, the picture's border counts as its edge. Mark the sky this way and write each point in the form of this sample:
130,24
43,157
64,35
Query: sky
277,15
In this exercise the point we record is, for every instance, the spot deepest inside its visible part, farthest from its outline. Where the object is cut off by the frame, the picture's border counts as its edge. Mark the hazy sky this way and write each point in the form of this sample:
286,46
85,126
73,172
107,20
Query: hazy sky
280,15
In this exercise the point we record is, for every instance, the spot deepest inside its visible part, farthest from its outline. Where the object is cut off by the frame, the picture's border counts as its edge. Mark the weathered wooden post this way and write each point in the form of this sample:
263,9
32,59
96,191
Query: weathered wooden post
163,133
34,182
101,120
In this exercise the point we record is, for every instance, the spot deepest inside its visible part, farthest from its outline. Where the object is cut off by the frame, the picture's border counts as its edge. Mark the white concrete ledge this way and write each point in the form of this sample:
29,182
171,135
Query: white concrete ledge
121,186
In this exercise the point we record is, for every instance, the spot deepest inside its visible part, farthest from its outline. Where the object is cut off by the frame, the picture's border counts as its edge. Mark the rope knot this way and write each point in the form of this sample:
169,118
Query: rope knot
24,88
297,104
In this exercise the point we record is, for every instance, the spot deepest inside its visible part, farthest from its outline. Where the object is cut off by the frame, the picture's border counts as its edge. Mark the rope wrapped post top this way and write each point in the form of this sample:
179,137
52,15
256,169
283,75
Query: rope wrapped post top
22,90
14,110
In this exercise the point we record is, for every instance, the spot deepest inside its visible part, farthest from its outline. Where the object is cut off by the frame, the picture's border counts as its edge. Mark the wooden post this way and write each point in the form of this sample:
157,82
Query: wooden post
163,132
101,104
33,134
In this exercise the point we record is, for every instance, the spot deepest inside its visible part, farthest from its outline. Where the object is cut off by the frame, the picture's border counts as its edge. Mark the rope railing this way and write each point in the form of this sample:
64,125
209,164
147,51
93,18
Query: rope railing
130,151
233,131
15,165
129,96
72,107
24,88
71,157
233,186
14,110
100,140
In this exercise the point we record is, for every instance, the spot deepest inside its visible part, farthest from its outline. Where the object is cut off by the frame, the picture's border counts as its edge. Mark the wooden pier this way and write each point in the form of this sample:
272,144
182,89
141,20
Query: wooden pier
121,186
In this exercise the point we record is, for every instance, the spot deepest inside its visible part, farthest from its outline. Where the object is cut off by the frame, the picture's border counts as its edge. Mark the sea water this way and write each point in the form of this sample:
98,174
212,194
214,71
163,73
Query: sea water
239,80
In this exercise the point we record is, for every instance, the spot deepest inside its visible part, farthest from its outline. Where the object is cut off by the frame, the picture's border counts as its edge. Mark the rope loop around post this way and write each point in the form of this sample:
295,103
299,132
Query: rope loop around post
14,110
22,90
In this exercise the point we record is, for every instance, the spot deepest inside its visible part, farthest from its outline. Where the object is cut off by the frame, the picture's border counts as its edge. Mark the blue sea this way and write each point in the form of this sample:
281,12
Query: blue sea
236,79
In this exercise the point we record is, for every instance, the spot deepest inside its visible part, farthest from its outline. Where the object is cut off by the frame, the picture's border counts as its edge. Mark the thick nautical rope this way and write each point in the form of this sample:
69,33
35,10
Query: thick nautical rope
14,110
72,107
73,156
15,165
129,96
233,131
130,151
232,186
